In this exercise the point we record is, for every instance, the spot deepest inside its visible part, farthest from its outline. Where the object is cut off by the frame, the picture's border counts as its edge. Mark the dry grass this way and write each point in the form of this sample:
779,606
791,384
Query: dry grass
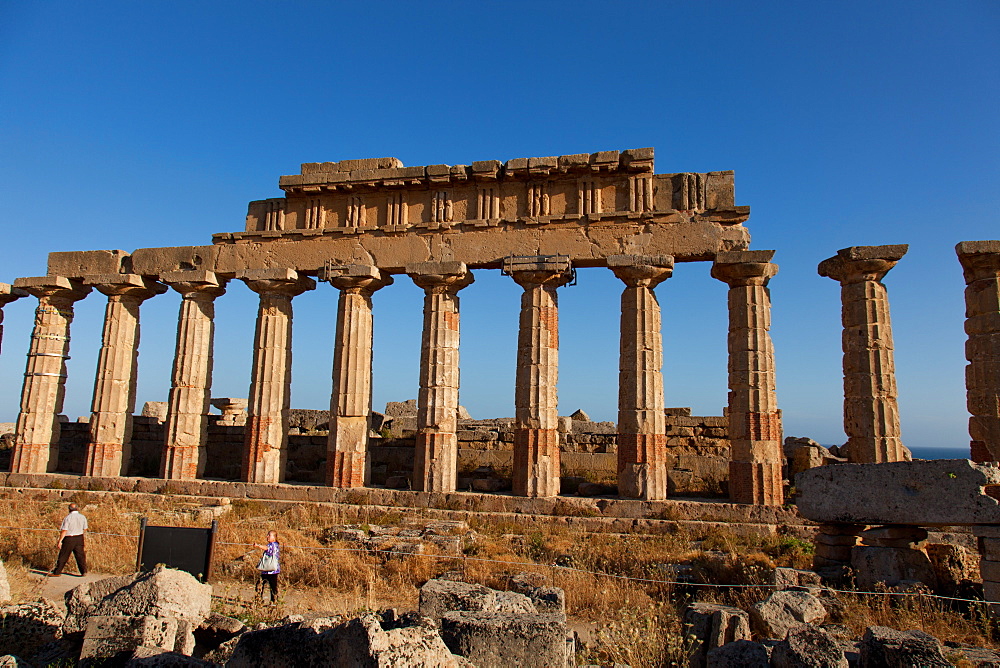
639,622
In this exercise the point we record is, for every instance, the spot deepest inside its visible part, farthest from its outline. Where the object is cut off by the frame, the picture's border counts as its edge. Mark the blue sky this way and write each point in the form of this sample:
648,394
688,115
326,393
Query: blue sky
130,125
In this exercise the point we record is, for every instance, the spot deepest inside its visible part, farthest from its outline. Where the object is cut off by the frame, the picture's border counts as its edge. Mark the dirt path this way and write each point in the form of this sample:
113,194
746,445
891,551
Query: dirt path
54,589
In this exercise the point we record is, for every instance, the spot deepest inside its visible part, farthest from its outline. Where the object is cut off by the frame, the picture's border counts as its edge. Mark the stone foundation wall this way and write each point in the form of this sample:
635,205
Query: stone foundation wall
697,451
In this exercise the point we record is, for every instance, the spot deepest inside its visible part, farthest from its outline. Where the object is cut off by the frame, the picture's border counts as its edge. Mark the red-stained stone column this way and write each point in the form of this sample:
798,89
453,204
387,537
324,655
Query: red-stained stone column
347,462
191,382
265,434
754,418
536,402
871,412
109,449
36,438
435,460
981,264
642,439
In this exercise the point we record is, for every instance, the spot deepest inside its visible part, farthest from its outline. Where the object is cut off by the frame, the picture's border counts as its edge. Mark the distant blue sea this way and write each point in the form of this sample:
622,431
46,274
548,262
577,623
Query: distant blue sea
939,453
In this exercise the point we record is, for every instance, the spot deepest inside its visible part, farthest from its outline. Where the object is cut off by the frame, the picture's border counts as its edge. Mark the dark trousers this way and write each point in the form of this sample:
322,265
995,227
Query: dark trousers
74,545
272,581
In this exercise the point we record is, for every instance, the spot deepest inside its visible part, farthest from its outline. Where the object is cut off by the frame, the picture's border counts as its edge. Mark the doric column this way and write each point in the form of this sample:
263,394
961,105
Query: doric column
36,439
350,405
642,428
871,412
981,264
536,401
109,450
435,461
265,434
191,382
8,293
754,419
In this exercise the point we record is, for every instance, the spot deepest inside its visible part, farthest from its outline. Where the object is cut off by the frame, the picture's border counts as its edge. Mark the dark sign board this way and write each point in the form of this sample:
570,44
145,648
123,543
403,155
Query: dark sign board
184,548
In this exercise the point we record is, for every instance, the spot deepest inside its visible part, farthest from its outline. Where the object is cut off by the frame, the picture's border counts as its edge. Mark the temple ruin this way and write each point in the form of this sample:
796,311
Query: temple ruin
359,225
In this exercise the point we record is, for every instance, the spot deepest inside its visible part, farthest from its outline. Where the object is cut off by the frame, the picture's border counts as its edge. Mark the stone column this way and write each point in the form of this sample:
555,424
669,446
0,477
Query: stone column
871,412
186,429
109,449
36,438
981,264
435,460
754,418
536,402
265,433
347,462
642,423
8,293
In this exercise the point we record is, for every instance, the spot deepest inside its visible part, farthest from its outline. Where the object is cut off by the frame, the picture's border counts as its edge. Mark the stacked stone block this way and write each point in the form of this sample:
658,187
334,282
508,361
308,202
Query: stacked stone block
981,264
871,411
988,539
834,543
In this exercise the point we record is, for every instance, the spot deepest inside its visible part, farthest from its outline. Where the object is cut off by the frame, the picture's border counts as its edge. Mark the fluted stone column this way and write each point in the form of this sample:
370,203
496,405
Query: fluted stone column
36,438
435,460
191,382
265,434
871,411
536,401
347,462
642,424
109,449
8,293
981,264
754,418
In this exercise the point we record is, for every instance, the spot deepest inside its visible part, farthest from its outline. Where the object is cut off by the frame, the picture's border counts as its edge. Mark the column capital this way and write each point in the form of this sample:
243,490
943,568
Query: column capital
282,282
355,278
440,277
742,268
539,270
58,287
862,263
980,259
195,284
125,285
9,293
642,271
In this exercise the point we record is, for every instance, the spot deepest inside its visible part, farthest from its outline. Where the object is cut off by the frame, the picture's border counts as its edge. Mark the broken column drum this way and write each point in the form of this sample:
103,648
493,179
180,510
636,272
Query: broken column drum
871,410
754,419
435,460
36,440
109,449
265,434
642,437
351,403
191,381
356,224
981,264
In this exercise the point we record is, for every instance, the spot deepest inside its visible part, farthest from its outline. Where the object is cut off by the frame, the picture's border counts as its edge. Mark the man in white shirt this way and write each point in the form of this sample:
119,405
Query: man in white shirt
71,541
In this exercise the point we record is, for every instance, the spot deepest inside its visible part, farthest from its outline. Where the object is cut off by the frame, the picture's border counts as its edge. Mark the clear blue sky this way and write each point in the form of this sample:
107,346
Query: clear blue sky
139,124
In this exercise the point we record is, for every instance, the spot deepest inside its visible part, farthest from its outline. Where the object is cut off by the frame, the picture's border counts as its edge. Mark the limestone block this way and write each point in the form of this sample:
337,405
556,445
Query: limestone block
25,627
808,646
783,611
4,585
890,566
79,264
108,636
438,597
791,578
923,493
739,654
162,592
712,625
498,640
883,646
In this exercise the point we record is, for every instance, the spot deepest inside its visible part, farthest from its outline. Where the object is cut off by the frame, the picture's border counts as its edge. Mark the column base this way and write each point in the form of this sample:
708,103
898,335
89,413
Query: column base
182,462
756,483
104,460
346,469
347,452
435,462
642,472
536,462
31,458
261,460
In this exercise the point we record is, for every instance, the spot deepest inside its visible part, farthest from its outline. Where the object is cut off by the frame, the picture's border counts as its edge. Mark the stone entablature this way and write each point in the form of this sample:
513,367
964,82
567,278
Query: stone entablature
380,194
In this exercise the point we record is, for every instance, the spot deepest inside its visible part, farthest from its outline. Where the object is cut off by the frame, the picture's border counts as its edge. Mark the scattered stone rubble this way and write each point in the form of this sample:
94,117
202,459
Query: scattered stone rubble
447,537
